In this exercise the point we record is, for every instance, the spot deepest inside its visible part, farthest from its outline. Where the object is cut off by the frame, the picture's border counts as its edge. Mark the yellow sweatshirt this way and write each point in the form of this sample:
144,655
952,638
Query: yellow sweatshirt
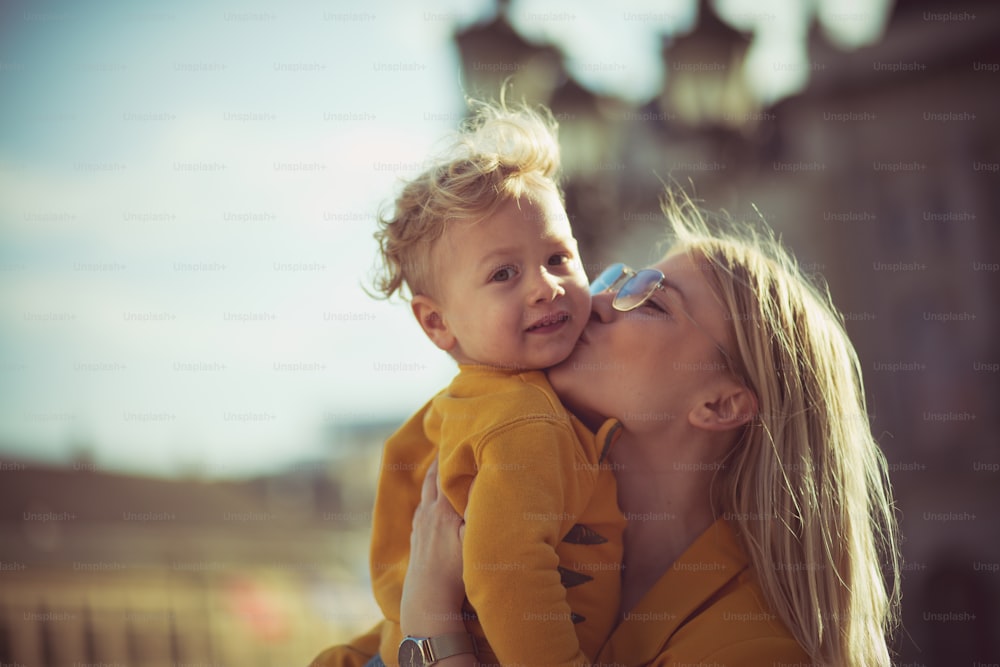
706,609
543,535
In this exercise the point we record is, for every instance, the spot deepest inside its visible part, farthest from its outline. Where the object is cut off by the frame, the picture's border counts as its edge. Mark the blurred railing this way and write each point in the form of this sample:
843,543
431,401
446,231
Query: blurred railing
251,616
100,569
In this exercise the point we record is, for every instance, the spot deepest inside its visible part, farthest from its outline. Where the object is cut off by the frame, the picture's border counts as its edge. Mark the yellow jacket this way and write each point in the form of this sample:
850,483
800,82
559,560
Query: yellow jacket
708,609
543,535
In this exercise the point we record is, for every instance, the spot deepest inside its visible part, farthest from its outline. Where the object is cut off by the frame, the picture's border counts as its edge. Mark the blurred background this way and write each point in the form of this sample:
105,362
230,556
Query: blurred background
195,386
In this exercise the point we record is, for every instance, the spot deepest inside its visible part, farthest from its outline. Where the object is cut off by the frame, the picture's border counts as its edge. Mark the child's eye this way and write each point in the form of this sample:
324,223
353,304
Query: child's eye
558,259
503,274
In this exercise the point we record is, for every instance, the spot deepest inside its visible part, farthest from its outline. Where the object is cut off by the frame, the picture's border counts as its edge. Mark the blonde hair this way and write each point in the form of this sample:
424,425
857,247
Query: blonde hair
499,154
806,485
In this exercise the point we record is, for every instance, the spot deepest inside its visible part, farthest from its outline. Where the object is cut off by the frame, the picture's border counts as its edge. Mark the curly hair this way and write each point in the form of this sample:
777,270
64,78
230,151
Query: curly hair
499,154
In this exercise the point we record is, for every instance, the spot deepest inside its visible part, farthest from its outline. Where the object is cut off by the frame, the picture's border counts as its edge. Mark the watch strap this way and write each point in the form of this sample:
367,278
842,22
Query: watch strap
445,646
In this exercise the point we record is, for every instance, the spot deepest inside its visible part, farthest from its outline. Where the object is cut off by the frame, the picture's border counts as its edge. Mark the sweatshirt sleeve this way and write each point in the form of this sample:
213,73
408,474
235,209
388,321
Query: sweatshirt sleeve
526,489
355,653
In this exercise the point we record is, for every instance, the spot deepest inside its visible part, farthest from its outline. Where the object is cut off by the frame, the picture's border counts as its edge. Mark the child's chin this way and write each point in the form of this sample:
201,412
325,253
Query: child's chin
556,359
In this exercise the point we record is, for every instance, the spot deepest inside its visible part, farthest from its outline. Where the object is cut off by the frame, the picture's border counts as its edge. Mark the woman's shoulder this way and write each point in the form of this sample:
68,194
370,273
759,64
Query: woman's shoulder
736,628
707,609
754,652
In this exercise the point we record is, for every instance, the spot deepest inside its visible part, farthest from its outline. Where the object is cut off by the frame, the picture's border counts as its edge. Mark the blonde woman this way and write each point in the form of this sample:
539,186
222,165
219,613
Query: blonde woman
761,527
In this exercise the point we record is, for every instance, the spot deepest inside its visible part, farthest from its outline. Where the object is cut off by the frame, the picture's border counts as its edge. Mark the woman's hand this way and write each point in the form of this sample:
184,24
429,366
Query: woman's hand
433,590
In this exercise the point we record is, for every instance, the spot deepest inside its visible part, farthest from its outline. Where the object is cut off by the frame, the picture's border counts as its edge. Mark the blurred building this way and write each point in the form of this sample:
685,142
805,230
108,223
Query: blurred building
883,176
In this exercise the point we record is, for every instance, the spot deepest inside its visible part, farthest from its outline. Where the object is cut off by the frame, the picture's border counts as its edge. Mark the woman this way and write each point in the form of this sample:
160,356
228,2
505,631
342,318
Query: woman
760,526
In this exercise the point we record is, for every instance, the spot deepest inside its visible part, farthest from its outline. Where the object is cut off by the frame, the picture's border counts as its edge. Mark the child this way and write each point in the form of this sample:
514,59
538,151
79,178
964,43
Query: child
483,244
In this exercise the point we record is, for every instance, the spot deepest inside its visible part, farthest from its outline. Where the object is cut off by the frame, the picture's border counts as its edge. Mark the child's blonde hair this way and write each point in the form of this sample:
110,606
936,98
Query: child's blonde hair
499,154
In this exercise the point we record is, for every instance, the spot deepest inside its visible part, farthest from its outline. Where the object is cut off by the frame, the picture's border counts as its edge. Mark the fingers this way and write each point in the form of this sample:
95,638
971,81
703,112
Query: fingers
437,477
429,490
472,485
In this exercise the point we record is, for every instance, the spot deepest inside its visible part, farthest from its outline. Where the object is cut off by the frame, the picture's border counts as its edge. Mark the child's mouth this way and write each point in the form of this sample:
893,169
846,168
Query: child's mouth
548,323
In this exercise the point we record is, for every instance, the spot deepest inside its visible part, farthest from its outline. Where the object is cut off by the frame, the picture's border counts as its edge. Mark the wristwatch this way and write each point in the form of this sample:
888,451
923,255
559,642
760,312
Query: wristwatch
424,651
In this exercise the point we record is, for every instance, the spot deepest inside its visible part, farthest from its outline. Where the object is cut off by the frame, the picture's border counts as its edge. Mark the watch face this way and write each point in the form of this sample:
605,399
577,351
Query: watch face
409,654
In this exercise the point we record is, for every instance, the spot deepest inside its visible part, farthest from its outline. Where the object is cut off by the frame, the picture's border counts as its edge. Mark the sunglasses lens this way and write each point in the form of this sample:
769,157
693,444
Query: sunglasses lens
637,289
608,277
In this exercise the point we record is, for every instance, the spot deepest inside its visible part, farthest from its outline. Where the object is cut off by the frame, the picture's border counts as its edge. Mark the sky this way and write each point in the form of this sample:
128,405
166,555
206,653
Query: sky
187,197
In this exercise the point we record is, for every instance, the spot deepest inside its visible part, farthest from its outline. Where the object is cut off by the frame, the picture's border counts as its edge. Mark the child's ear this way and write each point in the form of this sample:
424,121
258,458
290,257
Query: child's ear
731,405
429,315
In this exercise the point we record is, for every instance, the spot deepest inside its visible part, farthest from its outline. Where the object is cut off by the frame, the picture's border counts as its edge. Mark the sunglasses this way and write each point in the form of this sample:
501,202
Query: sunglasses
634,288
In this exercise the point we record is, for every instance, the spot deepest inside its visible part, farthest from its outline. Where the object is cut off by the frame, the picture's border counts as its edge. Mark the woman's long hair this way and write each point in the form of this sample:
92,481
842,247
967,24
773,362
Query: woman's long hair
807,485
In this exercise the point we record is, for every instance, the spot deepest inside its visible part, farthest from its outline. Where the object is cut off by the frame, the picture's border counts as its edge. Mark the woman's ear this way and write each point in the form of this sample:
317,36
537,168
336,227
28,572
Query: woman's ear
430,316
732,405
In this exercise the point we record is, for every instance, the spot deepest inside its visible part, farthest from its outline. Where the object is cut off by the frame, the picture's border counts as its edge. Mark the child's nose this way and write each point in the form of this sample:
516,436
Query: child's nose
546,287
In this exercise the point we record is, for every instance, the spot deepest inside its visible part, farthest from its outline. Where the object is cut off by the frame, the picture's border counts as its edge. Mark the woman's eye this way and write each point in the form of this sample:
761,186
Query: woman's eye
502,274
653,305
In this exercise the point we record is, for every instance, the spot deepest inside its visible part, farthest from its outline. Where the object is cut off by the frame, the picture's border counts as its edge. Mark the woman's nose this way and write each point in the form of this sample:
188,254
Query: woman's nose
601,308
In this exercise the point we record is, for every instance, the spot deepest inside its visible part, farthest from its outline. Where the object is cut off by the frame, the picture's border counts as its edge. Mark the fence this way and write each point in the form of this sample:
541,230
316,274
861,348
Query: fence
229,616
